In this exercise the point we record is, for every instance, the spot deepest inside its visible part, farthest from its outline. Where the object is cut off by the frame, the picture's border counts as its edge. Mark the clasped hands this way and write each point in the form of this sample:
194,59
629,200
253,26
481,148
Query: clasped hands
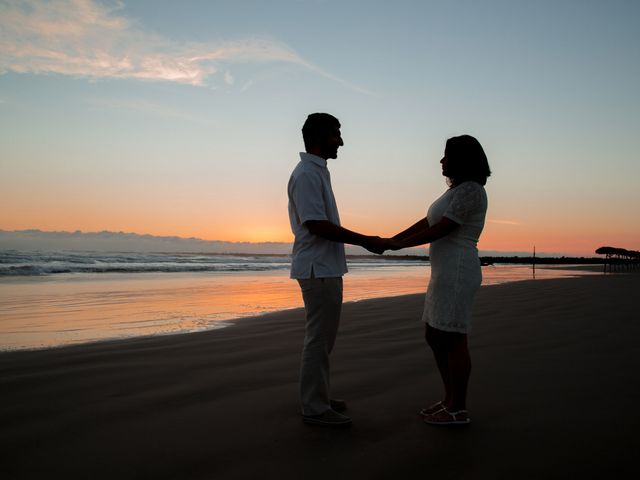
378,245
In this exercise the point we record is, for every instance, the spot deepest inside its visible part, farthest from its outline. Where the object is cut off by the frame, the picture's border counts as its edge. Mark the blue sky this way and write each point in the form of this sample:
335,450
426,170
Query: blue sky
183,118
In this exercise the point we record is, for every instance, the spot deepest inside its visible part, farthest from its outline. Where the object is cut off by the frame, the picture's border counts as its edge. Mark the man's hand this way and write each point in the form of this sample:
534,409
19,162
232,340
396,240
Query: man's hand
378,245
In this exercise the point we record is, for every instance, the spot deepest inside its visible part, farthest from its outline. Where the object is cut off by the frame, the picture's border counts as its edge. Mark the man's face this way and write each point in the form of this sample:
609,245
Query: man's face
331,143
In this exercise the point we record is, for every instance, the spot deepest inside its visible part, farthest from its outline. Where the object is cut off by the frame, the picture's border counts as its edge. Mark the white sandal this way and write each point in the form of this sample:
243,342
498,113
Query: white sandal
452,420
435,408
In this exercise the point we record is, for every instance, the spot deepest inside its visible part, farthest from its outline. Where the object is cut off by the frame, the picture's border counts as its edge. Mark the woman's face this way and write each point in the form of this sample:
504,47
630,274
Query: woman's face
444,163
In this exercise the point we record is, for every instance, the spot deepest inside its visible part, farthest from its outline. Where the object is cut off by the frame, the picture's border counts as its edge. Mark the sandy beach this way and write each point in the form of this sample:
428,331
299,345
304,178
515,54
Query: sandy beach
553,394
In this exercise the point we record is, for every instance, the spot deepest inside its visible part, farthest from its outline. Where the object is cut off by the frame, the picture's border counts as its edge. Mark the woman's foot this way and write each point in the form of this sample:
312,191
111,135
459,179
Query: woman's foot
436,407
445,417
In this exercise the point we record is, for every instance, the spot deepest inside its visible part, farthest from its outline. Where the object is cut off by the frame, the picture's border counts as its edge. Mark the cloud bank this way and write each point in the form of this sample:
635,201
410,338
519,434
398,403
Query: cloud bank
38,240
106,241
84,38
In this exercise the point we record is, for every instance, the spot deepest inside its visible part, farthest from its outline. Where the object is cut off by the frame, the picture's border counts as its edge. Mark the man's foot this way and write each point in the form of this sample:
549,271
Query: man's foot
330,418
338,405
430,410
445,417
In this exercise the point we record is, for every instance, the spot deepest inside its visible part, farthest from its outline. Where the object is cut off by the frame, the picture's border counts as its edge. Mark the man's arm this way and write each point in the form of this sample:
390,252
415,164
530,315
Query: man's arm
330,231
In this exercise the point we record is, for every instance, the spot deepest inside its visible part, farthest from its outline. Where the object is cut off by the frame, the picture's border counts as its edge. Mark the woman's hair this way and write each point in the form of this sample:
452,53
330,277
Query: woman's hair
466,161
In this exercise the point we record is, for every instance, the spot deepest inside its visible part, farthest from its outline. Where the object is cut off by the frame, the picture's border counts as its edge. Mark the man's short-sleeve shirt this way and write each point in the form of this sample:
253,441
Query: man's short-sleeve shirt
311,198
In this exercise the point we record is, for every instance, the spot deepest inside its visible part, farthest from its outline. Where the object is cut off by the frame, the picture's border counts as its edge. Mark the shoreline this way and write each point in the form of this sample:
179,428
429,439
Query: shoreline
599,268
547,355
59,313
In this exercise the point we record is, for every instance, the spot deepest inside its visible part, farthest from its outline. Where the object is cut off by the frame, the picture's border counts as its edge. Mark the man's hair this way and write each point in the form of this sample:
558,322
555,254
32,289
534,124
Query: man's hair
317,127
466,160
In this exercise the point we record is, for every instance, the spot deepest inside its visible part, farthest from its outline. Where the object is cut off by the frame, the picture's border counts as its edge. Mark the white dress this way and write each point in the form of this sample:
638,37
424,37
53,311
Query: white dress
455,266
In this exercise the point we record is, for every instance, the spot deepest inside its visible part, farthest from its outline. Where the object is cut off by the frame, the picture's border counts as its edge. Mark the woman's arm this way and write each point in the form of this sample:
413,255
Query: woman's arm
427,235
413,229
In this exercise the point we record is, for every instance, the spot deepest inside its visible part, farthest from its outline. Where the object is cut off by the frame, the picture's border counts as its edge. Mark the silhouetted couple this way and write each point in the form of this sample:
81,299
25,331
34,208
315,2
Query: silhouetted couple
452,226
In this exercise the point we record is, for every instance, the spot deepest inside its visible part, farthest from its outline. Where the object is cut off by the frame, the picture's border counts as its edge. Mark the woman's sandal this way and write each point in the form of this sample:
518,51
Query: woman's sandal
436,407
445,417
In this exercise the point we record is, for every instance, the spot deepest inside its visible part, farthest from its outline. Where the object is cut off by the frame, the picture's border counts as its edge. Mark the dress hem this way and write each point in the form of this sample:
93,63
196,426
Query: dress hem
448,328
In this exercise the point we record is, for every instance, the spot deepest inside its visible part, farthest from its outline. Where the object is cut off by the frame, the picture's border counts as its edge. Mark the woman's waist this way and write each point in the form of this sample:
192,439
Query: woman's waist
462,244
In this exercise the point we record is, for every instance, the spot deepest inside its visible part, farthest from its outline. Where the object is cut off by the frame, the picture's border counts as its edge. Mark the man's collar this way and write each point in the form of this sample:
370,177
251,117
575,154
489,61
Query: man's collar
310,157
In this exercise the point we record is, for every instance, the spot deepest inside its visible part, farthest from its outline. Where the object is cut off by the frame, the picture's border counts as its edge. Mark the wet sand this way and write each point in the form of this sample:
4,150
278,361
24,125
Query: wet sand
553,394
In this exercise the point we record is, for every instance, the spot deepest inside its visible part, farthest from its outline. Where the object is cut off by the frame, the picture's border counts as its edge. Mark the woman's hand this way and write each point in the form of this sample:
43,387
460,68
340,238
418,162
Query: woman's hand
393,244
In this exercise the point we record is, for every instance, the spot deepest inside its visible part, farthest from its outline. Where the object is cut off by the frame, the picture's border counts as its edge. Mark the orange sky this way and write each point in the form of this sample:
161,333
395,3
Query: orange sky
192,128
557,238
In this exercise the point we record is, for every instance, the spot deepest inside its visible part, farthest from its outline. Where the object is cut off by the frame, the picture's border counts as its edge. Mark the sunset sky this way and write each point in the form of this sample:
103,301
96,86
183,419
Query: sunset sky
183,118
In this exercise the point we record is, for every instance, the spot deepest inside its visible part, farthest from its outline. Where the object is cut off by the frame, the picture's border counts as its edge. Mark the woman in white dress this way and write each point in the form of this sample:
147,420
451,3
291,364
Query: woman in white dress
453,225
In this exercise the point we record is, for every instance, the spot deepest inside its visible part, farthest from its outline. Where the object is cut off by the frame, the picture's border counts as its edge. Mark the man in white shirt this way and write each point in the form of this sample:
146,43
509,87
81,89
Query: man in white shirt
318,263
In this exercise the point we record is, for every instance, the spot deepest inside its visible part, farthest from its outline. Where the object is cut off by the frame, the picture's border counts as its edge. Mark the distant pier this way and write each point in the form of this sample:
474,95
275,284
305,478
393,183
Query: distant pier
619,259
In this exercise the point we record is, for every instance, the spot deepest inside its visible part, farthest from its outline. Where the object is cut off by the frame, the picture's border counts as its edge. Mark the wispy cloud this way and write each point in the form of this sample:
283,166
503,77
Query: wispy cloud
84,38
504,222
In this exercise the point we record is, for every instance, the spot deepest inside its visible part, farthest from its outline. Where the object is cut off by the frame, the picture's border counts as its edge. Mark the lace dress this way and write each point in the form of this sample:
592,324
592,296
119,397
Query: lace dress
455,266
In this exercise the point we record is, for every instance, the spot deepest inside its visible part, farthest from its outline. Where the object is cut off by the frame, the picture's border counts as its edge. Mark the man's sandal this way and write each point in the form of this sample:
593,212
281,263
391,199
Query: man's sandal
436,407
445,417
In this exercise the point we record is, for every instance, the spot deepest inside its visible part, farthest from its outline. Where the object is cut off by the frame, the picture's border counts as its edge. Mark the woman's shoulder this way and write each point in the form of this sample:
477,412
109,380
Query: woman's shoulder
471,194
469,186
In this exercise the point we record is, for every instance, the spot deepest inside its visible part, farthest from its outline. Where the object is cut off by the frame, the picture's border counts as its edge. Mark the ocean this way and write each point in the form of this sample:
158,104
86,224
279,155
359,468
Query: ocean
53,299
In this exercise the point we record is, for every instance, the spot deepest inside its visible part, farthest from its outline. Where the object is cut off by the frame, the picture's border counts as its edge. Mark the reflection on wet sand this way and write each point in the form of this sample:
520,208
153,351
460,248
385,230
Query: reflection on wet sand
40,312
